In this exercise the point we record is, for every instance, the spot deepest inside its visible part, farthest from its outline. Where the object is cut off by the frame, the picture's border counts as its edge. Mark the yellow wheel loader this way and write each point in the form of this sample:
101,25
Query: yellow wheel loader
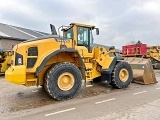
153,52
60,63
5,57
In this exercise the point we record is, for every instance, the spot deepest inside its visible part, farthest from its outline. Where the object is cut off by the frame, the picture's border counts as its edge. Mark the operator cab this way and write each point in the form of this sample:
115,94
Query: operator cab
81,34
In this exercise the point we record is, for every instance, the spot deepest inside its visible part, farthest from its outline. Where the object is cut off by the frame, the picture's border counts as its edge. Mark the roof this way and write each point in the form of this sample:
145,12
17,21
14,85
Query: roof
79,24
18,33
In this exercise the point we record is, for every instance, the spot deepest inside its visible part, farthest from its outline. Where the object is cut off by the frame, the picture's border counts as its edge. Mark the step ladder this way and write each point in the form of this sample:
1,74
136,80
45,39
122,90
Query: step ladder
31,82
89,80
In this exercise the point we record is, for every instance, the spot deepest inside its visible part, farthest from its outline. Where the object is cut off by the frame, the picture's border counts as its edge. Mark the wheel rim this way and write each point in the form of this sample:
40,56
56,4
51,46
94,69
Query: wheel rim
123,75
66,81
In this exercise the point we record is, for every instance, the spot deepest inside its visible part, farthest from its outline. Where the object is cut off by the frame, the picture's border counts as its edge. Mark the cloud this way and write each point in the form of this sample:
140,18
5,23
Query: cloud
119,21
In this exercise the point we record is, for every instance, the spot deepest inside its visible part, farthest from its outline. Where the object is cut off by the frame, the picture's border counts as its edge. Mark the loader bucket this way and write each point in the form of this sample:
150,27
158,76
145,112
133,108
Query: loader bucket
143,72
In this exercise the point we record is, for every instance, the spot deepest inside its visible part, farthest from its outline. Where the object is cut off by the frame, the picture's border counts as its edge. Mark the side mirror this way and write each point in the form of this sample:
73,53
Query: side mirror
97,31
53,29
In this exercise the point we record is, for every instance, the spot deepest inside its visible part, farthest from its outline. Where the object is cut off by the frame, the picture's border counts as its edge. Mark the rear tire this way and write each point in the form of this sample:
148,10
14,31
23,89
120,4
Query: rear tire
63,81
122,75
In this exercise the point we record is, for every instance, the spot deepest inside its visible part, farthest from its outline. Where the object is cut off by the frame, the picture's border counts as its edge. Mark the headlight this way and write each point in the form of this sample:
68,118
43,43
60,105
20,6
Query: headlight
18,59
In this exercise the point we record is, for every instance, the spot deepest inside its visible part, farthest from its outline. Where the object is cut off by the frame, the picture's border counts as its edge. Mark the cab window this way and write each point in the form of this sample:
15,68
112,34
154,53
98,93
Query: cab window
83,36
69,33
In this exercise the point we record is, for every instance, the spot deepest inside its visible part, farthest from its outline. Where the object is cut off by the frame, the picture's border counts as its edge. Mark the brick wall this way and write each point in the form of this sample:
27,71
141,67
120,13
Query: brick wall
7,44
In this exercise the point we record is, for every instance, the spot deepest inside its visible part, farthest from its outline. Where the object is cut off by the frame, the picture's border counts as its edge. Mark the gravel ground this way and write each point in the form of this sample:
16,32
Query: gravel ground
15,98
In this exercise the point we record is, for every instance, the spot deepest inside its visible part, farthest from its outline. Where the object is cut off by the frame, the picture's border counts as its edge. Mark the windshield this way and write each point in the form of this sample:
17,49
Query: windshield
83,36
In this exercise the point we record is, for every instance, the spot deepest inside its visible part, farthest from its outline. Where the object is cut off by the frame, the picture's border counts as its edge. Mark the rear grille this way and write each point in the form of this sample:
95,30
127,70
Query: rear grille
33,51
32,56
31,62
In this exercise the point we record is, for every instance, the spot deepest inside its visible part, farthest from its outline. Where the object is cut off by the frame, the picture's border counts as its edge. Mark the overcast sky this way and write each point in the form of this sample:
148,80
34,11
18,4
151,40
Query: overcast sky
119,21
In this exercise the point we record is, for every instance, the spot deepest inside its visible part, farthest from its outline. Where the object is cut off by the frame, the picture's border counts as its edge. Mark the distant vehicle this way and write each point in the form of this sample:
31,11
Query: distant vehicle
5,59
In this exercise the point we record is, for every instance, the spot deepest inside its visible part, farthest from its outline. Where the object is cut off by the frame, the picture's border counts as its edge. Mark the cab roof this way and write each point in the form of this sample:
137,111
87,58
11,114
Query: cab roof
84,25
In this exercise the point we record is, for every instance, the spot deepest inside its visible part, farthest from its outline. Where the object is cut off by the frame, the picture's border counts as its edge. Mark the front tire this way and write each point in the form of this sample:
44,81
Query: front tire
63,81
122,75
